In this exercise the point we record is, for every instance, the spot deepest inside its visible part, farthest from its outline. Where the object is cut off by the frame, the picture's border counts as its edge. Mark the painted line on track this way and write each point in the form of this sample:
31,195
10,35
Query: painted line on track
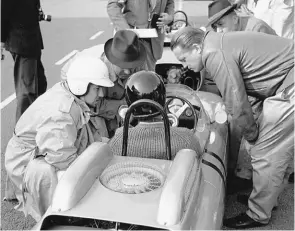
12,97
96,35
66,57
7,101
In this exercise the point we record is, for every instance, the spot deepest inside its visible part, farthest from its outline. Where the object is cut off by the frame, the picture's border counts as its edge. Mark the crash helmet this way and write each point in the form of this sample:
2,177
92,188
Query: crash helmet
87,69
145,85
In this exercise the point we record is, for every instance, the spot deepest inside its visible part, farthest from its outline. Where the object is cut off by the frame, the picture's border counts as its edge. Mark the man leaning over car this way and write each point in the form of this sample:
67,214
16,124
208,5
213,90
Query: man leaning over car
260,65
224,17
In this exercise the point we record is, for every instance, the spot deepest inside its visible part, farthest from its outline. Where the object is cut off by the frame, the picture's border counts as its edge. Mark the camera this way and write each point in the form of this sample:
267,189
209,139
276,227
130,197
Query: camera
44,17
154,20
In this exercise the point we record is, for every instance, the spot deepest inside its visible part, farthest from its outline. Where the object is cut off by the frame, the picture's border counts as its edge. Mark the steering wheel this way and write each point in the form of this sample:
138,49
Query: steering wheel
187,79
156,105
181,109
179,23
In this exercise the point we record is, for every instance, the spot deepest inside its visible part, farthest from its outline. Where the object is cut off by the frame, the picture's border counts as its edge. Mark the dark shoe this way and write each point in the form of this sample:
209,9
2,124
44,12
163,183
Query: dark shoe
243,199
291,178
236,184
241,221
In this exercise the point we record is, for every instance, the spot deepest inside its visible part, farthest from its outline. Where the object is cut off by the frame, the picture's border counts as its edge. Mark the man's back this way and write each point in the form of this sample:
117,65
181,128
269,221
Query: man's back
147,140
263,61
250,23
56,102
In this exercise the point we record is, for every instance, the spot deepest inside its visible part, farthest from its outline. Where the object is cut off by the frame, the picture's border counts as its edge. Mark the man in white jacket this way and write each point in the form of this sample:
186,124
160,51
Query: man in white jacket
53,132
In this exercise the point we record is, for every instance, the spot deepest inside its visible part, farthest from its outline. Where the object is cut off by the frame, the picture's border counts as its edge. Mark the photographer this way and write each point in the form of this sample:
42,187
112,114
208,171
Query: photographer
21,36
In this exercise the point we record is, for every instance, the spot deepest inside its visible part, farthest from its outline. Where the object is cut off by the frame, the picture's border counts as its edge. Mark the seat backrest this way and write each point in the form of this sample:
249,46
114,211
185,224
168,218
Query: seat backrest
181,183
80,176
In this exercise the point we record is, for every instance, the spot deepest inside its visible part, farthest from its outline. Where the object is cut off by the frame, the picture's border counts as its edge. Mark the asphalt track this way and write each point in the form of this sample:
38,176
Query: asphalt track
76,25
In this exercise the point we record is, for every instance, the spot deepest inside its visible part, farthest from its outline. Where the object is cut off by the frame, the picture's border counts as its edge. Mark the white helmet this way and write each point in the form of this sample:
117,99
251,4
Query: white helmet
87,69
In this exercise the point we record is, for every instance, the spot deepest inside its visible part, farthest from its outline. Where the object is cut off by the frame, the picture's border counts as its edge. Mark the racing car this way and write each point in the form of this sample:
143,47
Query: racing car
101,190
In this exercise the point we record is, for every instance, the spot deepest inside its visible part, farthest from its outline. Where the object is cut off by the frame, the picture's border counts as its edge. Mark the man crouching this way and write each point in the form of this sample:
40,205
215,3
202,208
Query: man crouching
53,132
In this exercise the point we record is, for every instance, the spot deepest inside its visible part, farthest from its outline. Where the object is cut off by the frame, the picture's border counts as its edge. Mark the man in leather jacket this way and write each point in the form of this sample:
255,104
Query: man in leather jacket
259,65
224,16
21,36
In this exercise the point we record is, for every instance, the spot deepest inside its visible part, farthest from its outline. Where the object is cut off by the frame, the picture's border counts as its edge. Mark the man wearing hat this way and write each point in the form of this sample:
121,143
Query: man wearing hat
124,55
223,18
53,132
129,14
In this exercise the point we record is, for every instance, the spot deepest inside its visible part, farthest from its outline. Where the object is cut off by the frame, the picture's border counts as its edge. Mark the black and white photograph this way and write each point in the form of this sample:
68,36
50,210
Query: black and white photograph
147,115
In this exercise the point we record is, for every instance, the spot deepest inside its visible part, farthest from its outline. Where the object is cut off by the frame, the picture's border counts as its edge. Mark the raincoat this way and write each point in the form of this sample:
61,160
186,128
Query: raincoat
52,132
262,66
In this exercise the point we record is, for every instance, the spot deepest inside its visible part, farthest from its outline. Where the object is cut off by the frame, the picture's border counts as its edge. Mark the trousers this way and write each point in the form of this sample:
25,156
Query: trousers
272,153
29,81
33,180
40,181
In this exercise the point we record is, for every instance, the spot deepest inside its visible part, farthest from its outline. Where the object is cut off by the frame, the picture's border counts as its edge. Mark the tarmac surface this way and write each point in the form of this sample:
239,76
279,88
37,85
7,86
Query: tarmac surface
80,24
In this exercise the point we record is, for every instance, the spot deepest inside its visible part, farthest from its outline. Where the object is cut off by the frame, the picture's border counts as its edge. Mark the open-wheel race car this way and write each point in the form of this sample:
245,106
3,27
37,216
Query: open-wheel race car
101,190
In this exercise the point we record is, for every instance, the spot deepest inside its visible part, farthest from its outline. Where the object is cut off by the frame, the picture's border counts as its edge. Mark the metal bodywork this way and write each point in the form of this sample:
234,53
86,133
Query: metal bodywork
192,196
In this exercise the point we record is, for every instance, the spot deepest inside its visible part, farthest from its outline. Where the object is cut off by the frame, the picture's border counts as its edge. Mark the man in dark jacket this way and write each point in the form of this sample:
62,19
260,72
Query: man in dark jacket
21,36
246,64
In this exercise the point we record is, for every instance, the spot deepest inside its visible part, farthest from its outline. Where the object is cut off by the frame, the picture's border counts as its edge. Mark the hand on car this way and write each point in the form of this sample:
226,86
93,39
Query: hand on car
174,76
164,19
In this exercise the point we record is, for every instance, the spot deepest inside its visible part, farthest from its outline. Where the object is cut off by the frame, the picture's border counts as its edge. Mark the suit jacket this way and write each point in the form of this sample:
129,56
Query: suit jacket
247,63
130,13
20,29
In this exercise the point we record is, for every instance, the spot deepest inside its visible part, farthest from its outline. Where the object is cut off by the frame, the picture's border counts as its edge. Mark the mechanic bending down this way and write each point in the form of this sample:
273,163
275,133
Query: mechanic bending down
259,65
225,17
124,55
53,132
147,139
